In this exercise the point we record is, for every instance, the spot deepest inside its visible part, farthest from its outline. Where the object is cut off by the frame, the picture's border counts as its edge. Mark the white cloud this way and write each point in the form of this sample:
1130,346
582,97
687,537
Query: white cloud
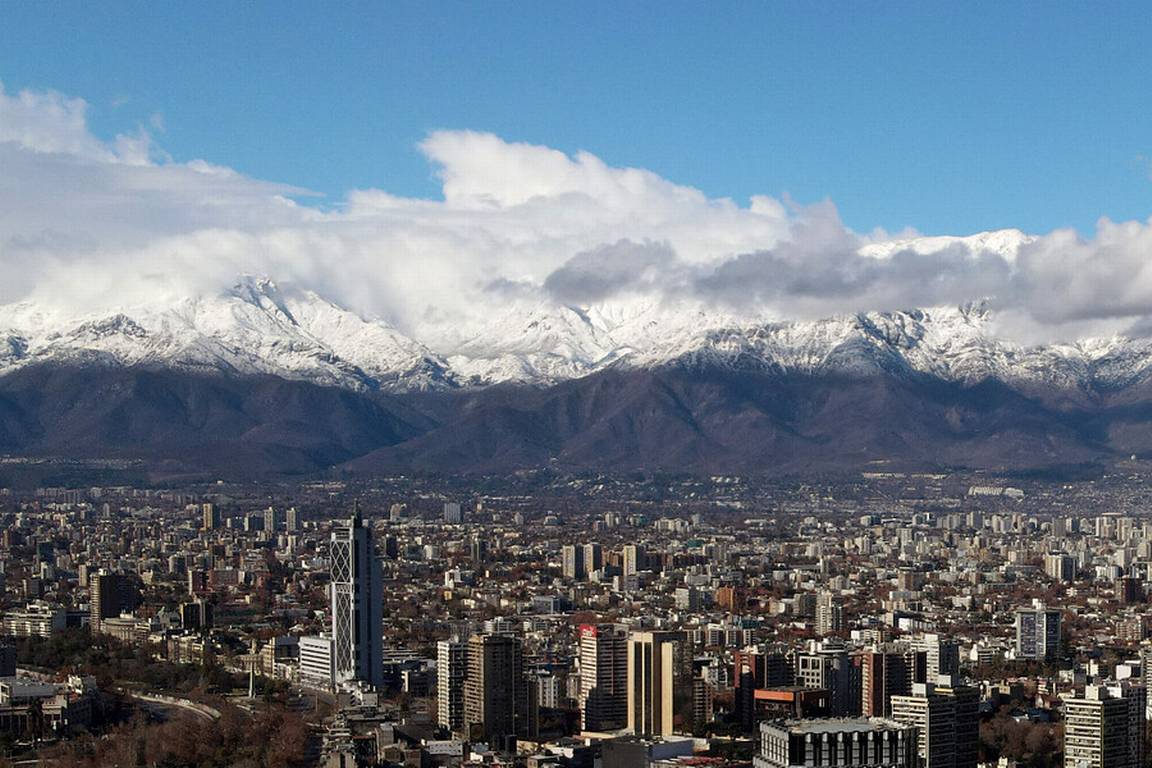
47,121
87,224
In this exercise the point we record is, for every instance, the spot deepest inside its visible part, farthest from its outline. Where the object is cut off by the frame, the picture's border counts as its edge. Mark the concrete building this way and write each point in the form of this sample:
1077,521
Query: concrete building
829,666
633,751
829,614
7,660
841,742
1060,567
211,514
593,558
271,520
635,559
788,702
1106,727
941,656
110,594
497,707
603,693
572,561
889,671
37,710
451,672
37,619
453,513
1038,633
946,716
317,662
653,675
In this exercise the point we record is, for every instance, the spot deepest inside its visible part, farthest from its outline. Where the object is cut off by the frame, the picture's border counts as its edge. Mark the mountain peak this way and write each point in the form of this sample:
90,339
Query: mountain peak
260,326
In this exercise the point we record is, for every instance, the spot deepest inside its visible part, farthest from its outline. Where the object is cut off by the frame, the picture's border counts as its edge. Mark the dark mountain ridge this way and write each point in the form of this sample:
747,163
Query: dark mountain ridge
695,418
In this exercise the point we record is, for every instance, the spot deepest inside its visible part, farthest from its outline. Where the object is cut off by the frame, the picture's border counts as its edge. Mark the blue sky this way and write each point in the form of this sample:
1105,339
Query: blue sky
950,118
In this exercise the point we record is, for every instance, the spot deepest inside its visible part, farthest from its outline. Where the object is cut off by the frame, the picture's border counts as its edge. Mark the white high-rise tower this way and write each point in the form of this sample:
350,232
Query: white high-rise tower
451,672
357,604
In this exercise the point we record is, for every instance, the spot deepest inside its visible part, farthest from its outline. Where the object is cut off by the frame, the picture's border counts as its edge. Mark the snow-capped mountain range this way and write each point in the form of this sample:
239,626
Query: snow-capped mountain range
259,327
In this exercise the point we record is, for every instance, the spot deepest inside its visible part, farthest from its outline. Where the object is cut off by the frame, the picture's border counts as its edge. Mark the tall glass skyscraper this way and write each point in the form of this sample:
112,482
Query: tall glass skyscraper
357,604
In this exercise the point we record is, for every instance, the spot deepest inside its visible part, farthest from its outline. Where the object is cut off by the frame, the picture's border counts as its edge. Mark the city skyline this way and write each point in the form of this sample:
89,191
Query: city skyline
575,385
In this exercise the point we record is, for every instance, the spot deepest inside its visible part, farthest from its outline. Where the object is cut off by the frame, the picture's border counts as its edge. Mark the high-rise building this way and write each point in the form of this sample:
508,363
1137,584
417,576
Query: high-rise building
451,672
1129,590
7,660
110,594
728,598
593,558
829,614
654,676
888,671
947,719
357,604
478,549
933,718
703,710
635,559
572,560
829,666
292,520
196,614
755,669
843,742
453,513
197,582
941,656
1038,634
1060,567
1105,728
497,707
603,693
211,517
391,547
966,699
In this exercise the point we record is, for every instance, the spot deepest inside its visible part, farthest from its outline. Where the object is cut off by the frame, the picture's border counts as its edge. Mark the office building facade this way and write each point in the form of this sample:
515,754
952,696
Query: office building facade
603,693
840,742
497,704
654,672
357,604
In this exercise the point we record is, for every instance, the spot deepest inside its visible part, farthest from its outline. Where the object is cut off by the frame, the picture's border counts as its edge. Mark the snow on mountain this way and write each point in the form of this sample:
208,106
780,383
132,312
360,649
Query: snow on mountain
1002,242
532,343
258,327
255,328
544,342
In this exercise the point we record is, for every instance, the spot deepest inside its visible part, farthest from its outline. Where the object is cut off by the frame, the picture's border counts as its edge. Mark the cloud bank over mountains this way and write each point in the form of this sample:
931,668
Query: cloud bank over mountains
92,225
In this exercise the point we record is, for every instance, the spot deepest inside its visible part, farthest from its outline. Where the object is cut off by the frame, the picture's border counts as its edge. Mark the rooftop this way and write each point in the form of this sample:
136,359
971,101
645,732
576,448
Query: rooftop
837,725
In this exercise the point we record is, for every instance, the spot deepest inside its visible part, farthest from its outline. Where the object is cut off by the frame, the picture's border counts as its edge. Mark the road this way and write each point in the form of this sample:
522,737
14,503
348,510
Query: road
159,703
